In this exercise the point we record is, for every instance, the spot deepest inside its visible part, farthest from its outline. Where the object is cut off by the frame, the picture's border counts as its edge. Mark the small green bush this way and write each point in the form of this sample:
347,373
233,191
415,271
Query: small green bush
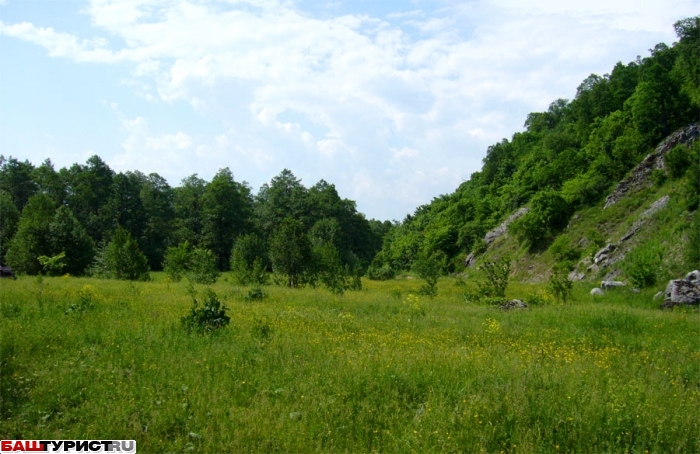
493,290
642,265
202,267
692,250
678,160
207,318
563,249
430,267
382,273
559,284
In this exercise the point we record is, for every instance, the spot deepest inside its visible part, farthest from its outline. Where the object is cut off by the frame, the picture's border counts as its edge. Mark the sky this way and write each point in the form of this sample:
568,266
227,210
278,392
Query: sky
394,102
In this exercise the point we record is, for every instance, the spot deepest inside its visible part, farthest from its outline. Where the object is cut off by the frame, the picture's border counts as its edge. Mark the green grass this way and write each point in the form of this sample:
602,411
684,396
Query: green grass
375,370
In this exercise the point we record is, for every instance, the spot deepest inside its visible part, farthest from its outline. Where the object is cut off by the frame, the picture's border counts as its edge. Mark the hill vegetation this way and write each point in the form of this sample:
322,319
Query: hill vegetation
568,159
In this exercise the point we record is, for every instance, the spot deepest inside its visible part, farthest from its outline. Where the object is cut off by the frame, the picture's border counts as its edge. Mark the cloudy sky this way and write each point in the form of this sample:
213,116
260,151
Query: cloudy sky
395,102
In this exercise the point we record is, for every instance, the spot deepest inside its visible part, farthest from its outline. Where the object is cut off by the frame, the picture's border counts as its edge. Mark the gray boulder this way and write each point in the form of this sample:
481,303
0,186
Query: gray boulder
683,291
513,304
607,285
597,292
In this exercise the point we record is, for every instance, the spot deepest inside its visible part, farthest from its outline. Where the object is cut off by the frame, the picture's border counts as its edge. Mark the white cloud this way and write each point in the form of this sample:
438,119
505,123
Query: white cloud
395,111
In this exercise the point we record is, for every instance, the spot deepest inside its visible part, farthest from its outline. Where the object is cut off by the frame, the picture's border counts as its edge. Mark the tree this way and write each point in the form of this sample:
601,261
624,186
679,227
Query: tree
158,201
285,196
66,235
89,188
49,182
430,266
548,214
9,217
226,210
290,251
248,260
123,259
177,259
201,267
32,237
188,210
16,180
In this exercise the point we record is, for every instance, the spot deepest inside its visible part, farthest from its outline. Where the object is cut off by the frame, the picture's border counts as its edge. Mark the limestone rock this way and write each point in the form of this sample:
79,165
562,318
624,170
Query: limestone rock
683,291
597,292
492,235
513,304
602,255
607,285
640,176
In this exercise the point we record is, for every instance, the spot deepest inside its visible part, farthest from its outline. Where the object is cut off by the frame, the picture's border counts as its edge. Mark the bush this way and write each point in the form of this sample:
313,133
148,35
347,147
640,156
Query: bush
692,251
177,261
563,250
121,259
548,214
678,160
382,273
202,267
211,316
497,273
642,265
248,262
559,284
430,267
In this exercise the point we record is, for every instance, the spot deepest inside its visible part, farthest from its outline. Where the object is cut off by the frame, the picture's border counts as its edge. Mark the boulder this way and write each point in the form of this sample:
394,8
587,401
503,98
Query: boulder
513,304
597,292
683,291
607,285
602,254
470,260
492,235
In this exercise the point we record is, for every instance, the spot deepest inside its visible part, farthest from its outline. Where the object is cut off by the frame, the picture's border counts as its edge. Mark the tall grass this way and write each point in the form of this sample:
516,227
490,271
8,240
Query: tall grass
382,369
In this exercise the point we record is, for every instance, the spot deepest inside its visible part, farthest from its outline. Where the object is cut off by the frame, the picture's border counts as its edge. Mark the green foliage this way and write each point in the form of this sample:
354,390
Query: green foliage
209,317
548,214
658,177
32,237
290,251
692,249
197,264
177,260
123,259
248,262
380,273
201,268
563,249
642,265
430,267
53,265
493,289
678,160
67,235
10,217
255,294
560,286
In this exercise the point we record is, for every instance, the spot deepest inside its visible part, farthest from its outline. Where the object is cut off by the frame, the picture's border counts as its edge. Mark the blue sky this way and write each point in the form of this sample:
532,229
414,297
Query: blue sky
393,102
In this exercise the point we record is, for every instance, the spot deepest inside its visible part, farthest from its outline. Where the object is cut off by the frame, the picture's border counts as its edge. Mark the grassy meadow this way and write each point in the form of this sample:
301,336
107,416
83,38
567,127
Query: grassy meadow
377,370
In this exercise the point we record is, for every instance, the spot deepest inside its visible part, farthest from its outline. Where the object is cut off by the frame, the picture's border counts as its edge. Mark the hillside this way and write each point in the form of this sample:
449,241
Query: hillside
581,176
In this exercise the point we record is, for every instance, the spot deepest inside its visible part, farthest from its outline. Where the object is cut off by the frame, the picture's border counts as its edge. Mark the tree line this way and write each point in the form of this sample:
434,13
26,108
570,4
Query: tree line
568,157
105,222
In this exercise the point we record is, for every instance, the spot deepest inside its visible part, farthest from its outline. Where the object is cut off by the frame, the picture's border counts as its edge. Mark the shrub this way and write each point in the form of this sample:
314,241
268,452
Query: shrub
497,273
248,262
382,273
559,284
177,261
548,214
207,318
121,259
642,265
678,160
692,251
563,250
430,267
202,267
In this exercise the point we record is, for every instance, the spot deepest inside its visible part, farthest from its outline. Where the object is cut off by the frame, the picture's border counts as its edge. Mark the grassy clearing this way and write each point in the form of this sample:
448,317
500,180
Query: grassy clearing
375,370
